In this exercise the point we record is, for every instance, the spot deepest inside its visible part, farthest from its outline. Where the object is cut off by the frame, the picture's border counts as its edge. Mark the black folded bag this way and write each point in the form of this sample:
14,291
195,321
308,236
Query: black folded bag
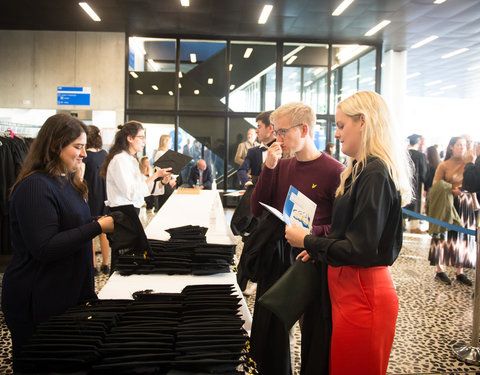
290,296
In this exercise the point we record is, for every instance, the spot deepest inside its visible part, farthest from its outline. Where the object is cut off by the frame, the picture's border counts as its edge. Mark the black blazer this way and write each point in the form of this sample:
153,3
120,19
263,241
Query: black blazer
195,175
253,161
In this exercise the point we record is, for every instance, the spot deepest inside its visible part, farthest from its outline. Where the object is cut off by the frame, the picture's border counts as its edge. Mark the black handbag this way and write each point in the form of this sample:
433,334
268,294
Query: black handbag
292,293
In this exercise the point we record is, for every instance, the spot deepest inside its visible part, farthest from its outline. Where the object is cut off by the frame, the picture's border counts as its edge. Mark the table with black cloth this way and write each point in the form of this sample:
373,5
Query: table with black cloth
204,209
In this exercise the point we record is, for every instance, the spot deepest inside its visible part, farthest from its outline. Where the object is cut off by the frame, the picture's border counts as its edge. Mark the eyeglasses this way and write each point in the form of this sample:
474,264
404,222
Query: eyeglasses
282,132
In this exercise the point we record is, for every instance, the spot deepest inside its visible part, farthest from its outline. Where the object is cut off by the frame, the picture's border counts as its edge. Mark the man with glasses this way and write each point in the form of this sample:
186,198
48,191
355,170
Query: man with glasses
317,175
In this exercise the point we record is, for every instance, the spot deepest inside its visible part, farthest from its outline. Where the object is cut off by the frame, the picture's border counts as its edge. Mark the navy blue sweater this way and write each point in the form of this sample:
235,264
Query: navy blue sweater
52,267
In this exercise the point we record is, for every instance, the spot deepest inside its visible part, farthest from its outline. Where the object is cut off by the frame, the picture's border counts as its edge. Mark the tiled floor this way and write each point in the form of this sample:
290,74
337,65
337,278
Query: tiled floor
432,316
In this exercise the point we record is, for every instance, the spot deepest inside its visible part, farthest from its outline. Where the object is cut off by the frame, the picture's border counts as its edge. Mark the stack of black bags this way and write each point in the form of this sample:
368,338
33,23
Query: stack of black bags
198,331
187,252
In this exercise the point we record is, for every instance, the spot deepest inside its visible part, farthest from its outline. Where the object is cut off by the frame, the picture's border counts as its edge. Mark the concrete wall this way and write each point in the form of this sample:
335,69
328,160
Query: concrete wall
34,63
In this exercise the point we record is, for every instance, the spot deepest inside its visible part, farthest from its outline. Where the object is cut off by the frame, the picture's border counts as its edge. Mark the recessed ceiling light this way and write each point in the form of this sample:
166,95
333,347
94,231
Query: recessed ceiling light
343,5
90,12
134,75
455,53
185,3
377,28
193,58
335,67
433,82
318,71
247,53
291,59
155,87
230,67
180,75
439,1
170,93
179,85
437,93
265,14
210,81
232,87
196,92
308,83
448,87
425,41
139,92
473,68
416,74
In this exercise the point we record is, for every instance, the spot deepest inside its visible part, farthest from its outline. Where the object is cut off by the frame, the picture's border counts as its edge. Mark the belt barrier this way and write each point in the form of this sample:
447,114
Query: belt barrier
449,226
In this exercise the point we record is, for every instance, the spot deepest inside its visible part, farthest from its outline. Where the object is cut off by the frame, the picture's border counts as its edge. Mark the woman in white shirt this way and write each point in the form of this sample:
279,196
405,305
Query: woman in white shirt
125,183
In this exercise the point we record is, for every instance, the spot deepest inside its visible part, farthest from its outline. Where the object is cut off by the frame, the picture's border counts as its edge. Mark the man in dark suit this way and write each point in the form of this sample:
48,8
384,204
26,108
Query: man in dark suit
202,174
256,155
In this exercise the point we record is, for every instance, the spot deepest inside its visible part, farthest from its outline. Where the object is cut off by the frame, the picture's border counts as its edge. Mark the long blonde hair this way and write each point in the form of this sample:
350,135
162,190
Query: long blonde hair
162,143
380,139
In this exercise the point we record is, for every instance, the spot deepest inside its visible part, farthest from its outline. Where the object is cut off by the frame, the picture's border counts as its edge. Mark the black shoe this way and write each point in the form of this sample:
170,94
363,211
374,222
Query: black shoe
464,279
105,270
442,276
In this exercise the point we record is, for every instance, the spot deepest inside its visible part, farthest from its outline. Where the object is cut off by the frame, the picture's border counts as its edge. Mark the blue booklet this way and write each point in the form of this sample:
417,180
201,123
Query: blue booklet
298,209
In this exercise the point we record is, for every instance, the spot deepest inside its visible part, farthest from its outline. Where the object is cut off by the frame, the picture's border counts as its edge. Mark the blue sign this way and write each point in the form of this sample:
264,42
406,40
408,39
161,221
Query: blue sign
73,95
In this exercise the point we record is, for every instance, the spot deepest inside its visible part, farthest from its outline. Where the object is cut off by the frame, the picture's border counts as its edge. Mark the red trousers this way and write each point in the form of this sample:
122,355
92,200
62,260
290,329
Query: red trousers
364,314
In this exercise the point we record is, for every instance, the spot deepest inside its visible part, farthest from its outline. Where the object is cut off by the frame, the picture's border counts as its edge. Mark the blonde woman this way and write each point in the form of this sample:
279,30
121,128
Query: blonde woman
365,237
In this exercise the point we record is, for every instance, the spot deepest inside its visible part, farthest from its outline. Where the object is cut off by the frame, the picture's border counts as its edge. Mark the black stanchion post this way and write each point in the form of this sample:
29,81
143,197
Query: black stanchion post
471,353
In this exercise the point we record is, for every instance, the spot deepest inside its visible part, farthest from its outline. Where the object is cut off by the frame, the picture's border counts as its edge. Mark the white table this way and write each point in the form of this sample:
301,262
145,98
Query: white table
203,209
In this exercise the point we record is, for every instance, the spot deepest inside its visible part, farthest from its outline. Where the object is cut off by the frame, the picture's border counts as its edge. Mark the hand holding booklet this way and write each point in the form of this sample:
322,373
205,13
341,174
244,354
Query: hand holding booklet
298,209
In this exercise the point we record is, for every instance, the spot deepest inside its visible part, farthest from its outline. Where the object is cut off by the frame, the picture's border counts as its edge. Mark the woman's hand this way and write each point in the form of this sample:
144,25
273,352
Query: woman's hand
295,236
274,153
107,224
163,172
304,256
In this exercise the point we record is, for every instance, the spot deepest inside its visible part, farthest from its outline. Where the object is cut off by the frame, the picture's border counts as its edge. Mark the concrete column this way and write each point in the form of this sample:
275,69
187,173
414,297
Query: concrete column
394,84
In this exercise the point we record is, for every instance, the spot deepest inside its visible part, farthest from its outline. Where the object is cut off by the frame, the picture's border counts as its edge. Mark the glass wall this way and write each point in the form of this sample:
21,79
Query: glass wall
188,97
305,75
151,79
202,75
252,76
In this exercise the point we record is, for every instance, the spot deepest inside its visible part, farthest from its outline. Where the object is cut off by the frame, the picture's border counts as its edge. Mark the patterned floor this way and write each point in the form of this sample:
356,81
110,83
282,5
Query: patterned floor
432,316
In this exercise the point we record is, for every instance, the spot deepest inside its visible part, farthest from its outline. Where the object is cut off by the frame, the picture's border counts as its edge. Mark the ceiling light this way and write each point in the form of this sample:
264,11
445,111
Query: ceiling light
185,3
433,82
193,58
230,67
425,41
180,75
90,12
210,81
308,83
437,93
179,85
343,5
247,53
196,92
134,75
439,1
139,92
155,87
455,53
448,87
348,52
335,67
170,93
473,68
416,74
377,28
365,80
291,60
265,14
232,87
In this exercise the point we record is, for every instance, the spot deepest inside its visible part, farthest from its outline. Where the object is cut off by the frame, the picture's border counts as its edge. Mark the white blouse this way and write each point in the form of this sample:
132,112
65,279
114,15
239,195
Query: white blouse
125,183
